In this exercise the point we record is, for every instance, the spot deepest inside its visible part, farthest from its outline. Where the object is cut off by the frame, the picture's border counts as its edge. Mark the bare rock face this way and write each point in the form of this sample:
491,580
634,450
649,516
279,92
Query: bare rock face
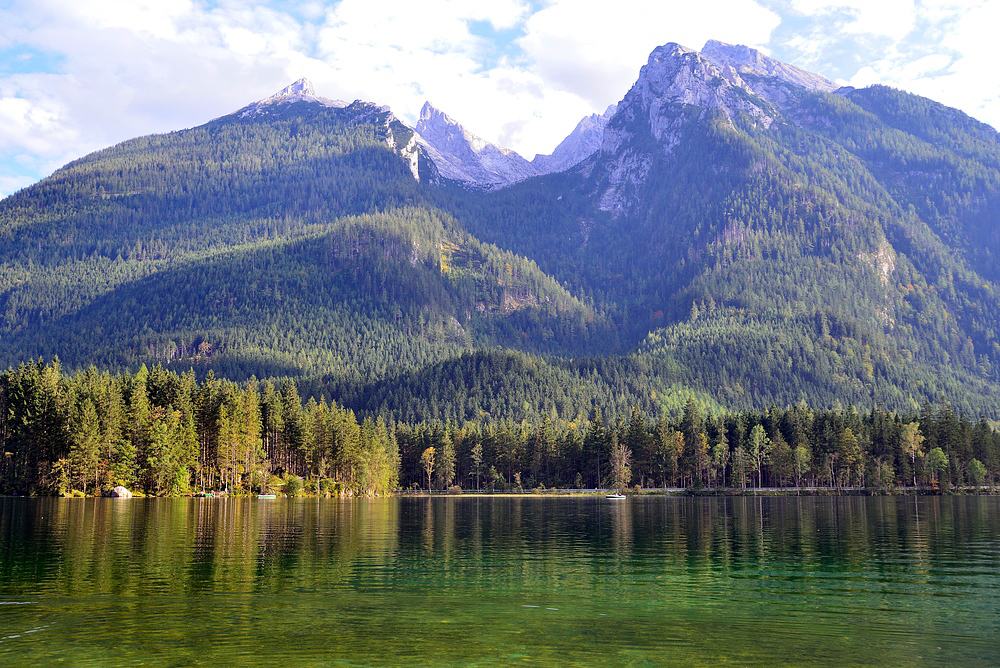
676,77
462,156
678,86
120,492
300,91
675,83
749,61
583,142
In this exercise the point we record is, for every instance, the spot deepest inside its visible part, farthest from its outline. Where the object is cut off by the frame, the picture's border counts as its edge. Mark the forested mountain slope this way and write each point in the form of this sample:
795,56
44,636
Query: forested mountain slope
769,240
746,234
287,243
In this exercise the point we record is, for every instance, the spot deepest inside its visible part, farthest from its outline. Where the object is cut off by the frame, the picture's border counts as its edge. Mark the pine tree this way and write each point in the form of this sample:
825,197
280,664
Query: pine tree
85,443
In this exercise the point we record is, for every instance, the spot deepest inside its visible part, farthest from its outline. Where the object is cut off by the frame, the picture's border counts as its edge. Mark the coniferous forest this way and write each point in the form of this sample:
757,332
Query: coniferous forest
166,433
298,297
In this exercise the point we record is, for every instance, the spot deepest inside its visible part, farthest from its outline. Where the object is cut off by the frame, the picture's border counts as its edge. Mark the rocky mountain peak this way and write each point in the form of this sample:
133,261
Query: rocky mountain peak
429,114
301,87
674,80
746,60
445,133
299,91
675,74
580,144
463,156
670,50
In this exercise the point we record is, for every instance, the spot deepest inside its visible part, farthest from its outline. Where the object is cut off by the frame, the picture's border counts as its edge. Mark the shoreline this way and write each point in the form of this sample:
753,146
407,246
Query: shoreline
991,490
968,490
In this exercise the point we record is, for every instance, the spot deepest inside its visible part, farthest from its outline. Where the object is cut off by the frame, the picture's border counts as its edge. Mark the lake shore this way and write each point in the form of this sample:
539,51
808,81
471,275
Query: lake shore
984,490
967,490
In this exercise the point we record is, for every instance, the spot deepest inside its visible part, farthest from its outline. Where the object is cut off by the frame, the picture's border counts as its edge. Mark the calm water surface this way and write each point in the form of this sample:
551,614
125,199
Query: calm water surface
488,581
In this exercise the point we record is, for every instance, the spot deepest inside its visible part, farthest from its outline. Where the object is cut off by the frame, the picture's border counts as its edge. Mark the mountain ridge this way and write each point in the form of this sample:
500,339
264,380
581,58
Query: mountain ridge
465,157
746,232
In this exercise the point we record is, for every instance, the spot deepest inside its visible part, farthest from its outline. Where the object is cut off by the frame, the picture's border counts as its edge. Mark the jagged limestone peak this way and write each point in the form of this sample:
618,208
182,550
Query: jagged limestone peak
299,91
301,87
463,156
747,60
580,144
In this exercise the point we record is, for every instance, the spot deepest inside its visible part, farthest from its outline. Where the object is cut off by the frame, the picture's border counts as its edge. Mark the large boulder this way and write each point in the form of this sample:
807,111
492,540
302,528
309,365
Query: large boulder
120,492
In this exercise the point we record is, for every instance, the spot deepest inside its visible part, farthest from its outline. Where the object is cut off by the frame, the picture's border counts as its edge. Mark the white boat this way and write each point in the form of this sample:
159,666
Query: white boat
615,495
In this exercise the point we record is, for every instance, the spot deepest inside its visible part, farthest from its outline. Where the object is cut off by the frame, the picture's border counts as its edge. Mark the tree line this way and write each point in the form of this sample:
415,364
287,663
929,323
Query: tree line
791,447
167,433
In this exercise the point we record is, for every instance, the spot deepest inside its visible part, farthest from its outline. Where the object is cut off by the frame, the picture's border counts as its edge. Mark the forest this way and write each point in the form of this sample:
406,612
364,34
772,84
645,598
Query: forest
167,433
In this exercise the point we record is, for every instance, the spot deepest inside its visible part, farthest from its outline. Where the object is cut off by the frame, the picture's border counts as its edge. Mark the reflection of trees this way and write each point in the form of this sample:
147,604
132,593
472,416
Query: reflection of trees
182,547
621,526
178,546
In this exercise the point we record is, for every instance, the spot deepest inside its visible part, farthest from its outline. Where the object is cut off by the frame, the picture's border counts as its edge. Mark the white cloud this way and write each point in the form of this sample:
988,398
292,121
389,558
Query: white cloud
971,81
892,18
28,126
866,76
407,53
128,69
158,18
942,49
922,67
406,26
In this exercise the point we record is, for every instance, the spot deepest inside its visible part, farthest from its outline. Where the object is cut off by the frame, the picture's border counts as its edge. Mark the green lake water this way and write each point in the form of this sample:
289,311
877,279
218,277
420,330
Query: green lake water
498,581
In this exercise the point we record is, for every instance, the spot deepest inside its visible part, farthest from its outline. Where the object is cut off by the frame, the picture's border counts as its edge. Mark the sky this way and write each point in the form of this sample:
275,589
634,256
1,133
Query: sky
80,75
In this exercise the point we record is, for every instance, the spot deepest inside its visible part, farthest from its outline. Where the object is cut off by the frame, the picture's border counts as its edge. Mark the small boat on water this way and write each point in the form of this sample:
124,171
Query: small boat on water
615,495
267,496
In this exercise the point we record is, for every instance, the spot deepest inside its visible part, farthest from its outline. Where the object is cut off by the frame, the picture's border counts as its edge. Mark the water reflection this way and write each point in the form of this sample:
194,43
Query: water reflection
178,545
737,579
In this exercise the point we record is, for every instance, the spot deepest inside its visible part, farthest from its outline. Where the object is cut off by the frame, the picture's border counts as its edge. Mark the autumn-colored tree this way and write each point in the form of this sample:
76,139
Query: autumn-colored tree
427,462
621,466
910,440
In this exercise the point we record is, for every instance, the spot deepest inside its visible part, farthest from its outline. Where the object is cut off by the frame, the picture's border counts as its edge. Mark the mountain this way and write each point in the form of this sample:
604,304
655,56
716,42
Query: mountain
744,233
764,236
581,143
746,60
462,156
290,238
654,117
299,91
472,161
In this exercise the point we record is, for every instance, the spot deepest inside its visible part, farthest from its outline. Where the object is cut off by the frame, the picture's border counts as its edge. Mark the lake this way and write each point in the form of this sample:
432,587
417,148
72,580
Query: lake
486,581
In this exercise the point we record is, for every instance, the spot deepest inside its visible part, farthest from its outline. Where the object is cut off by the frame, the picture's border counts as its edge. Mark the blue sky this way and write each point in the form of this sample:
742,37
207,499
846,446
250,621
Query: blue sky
79,75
